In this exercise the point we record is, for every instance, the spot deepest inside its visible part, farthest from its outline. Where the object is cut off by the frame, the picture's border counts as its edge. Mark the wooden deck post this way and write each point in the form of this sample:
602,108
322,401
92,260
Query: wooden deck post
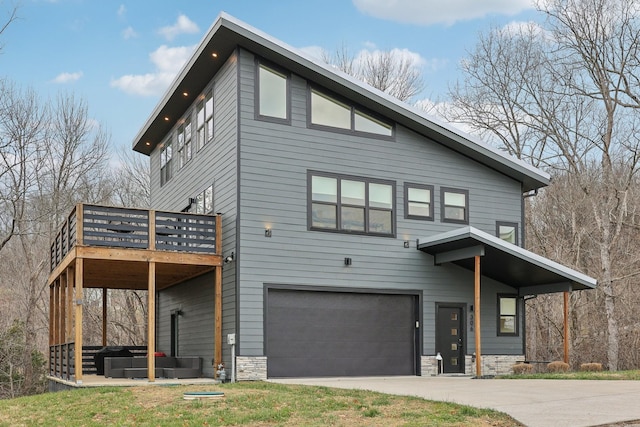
51,314
476,318
70,274
78,338
151,324
566,327
63,308
56,311
104,316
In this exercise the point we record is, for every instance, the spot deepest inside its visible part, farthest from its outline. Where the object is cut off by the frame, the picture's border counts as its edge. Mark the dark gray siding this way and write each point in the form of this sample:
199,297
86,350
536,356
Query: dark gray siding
274,161
215,163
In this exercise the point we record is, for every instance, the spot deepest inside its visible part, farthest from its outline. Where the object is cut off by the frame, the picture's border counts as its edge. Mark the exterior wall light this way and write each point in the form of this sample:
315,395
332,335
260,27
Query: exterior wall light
229,258
267,232
347,261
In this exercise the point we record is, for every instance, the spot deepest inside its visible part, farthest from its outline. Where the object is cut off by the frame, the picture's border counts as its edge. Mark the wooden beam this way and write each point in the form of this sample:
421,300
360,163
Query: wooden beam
51,315
152,230
566,327
56,311
146,255
151,324
218,318
219,234
476,317
63,308
104,316
78,337
79,224
70,273
66,262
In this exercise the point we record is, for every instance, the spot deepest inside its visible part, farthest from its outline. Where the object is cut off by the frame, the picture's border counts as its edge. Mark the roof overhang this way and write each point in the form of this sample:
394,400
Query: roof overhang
227,33
529,273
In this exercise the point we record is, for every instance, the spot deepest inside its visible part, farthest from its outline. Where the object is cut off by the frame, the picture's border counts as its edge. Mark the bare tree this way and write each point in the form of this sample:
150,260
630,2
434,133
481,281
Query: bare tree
393,71
10,16
131,181
565,96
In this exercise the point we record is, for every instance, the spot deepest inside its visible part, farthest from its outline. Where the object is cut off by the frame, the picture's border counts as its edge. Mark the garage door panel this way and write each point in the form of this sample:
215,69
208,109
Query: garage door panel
312,333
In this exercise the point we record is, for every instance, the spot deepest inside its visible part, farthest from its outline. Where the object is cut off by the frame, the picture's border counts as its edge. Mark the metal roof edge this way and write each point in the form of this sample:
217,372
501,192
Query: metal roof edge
496,242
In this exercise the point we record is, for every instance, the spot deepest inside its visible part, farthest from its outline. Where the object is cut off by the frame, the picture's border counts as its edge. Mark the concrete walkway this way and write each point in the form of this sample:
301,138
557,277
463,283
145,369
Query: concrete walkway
535,403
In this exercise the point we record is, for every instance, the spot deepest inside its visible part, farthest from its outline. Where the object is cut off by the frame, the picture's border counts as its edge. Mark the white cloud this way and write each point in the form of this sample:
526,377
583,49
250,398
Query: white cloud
63,78
129,33
437,11
167,60
182,26
122,10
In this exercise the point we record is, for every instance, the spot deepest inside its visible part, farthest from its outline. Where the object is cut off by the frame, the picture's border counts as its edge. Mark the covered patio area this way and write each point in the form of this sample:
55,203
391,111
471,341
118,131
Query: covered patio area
492,257
121,248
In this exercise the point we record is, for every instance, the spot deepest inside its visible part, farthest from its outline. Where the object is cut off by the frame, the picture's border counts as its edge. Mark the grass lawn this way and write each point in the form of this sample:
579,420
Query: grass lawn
604,375
247,403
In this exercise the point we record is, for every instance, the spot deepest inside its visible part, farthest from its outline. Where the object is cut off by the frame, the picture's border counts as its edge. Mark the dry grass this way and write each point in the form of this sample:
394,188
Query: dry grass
591,367
522,368
558,366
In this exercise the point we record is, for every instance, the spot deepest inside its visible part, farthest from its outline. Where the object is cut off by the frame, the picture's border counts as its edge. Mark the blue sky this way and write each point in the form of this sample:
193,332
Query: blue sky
121,55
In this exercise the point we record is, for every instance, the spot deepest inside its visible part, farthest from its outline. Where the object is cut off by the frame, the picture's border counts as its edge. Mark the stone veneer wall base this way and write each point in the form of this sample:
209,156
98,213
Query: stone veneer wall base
251,368
492,364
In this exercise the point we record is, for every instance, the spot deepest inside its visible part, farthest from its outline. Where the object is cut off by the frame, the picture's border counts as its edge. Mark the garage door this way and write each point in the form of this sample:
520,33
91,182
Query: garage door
319,334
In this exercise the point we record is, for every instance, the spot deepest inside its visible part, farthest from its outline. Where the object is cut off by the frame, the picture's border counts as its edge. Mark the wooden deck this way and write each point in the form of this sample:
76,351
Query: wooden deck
122,248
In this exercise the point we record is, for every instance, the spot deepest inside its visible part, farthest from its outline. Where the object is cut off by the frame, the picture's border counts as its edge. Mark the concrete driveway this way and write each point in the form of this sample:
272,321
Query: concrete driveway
535,403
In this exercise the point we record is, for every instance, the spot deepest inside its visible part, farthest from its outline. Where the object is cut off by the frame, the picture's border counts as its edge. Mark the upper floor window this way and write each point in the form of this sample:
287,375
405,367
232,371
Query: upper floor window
351,204
507,315
208,116
204,201
455,205
330,112
165,162
418,201
507,231
200,129
272,94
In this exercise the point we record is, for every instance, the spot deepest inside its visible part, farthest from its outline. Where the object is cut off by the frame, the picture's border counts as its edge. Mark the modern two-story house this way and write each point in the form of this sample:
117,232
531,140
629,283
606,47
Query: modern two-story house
359,236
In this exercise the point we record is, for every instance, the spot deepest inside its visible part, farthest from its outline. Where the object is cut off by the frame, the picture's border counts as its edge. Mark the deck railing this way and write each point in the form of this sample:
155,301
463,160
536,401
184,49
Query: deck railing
130,228
62,358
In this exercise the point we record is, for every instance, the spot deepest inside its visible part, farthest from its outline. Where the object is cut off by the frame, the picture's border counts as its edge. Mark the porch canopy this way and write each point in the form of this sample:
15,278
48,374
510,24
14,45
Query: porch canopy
529,273
492,257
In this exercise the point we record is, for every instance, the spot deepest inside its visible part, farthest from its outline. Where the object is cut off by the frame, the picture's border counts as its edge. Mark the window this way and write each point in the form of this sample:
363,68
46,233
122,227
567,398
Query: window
507,231
204,201
507,315
165,162
326,111
455,205
208,116
187,140
200,136
272,94
180,142
418,201
350,204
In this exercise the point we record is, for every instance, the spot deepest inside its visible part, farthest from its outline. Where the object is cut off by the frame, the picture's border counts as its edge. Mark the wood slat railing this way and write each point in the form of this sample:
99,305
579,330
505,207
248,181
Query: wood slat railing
116,227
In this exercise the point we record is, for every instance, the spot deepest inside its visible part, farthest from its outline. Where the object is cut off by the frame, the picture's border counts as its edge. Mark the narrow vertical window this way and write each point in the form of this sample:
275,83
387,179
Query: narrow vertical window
208,116
165,161
273,93
200,136
455,205
187,140
507,315
180,147
324,206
